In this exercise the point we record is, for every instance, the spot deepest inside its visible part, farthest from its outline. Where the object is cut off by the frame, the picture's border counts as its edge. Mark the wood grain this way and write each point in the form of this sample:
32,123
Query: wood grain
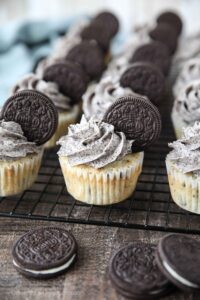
87,279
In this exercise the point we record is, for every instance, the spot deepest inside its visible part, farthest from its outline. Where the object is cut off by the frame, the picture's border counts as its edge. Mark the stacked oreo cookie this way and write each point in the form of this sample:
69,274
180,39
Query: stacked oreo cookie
146,271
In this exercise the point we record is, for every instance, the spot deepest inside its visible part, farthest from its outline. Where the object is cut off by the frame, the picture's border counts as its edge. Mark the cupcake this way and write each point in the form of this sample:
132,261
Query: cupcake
100,96
28,120
67,113
101,160
183,168
186,109
189,72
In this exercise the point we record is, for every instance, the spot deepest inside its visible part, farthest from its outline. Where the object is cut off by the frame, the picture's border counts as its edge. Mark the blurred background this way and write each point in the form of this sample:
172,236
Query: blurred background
29,28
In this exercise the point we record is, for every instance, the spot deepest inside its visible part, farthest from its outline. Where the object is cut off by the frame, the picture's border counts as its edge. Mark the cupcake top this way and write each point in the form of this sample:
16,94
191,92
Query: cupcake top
13,143
187,104
189,72
100,96
116,67
50,89
94,143
186,151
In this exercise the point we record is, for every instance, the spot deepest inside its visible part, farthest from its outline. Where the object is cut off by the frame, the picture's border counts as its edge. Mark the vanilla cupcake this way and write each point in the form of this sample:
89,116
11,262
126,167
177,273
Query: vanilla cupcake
189,72
186,109
67,113
28,120
101,160
100,96
97,163
183,168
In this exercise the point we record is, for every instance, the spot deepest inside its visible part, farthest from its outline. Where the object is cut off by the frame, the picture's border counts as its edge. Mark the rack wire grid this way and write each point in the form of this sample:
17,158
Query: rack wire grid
150,207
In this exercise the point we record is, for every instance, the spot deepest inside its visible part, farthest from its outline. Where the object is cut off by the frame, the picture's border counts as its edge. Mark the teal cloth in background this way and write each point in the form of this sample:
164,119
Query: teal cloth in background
23,44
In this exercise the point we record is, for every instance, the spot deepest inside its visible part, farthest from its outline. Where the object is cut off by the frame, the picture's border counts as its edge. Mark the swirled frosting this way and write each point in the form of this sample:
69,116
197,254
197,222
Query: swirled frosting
186,151
187,104
99,96
13,143
94,143
116,67
50,89
190,71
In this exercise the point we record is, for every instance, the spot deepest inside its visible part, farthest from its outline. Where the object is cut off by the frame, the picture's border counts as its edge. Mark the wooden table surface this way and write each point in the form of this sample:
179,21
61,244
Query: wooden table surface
87,279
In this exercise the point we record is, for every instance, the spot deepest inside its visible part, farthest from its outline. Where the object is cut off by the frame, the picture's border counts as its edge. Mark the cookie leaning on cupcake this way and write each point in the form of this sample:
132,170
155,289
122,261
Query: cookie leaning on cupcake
101,160
28,120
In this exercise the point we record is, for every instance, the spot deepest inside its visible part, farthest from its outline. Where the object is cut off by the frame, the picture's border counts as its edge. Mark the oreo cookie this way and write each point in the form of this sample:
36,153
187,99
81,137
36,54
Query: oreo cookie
154,52
70,77
165,34
134,273
178,258
35,112
98,33
172,19
89,56
109,21
44,252
145,79
138,118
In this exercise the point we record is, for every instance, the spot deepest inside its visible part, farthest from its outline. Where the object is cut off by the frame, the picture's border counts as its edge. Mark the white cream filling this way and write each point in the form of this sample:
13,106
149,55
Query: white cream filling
178,277
49,271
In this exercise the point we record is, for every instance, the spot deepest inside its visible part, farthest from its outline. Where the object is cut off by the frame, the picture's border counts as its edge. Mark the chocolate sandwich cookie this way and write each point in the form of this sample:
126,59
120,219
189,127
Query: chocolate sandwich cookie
108,20
134,273
89,56
70,77
137,118
178,257
145,79
154,52
165,34
98,33
35,112
44,252
172,19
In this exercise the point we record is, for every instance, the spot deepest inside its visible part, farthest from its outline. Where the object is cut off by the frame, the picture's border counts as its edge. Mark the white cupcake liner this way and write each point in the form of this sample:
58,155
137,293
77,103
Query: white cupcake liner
18,175
111,184
185,188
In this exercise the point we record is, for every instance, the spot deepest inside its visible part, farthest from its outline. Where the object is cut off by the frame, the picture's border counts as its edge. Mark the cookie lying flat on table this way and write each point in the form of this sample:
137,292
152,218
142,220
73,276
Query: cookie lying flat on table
138,118
70,77
154,52
134,273
89,56
35,112
44,252
178,257
145,79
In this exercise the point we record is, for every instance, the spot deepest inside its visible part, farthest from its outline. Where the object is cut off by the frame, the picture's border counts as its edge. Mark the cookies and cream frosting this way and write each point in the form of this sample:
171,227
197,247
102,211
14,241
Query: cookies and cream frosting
50,89
99,96
186,151
13,143
94,143
189,72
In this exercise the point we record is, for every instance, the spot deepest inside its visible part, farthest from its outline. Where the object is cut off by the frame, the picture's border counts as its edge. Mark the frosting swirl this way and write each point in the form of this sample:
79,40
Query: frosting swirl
99,96
189,72
94,143
116,67
50,89
187,105
13,143
186,151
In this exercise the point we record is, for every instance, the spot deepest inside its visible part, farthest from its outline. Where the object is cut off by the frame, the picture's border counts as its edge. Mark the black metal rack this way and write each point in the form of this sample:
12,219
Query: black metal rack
150,207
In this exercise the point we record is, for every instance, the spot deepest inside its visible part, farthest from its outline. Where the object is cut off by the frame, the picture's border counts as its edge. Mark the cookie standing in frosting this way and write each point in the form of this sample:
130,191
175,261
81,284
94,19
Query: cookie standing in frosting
13,143
100,96
187,105
50,89
186,151
94,143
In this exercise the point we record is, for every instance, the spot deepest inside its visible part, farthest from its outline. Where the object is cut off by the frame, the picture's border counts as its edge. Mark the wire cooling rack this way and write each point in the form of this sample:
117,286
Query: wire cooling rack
150,207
